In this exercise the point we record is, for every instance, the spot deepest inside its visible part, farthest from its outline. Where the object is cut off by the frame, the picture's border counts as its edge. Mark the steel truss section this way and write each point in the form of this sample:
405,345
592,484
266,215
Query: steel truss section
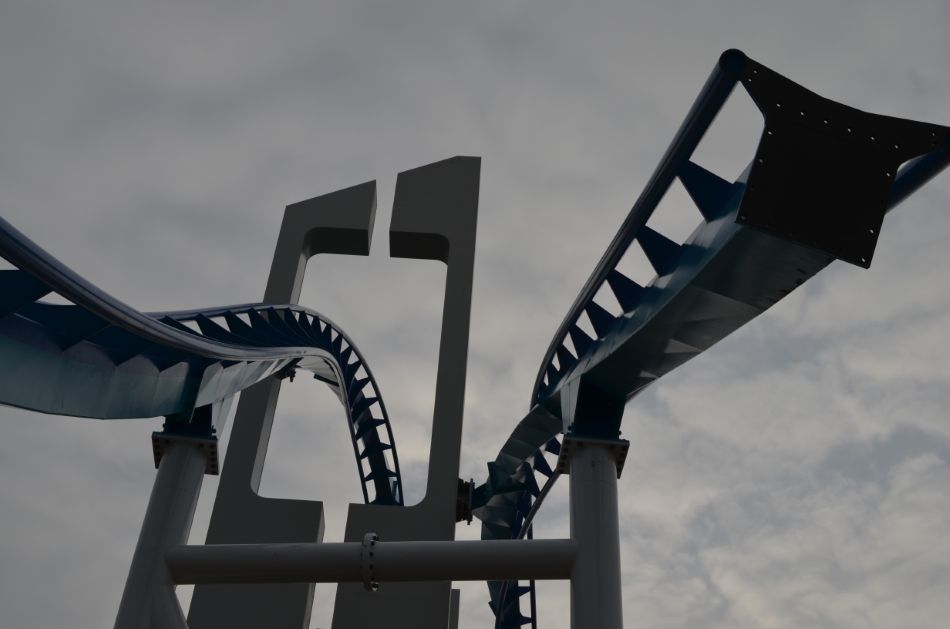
821,180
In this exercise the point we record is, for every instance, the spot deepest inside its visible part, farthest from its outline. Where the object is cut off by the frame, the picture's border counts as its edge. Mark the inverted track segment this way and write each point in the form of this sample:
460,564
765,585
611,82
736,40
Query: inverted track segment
98,357
822,178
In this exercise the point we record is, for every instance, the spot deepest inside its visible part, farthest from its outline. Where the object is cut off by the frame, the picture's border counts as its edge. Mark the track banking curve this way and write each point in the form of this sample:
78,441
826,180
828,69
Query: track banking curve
817,189
98,357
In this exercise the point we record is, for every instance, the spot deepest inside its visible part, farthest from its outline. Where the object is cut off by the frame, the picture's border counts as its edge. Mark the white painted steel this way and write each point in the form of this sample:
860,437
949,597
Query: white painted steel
596,597
391,562
149,599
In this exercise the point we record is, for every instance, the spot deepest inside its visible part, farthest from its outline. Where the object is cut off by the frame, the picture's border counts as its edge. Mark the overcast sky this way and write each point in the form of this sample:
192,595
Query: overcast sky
796,475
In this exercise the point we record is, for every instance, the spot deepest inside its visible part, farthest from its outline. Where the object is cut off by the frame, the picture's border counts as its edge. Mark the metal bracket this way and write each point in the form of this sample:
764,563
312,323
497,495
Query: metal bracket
463,502
162,440
571,443
200,429
367,560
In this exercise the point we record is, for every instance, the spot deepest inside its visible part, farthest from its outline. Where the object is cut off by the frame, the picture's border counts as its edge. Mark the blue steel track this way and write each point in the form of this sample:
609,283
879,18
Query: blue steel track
817,189
98,357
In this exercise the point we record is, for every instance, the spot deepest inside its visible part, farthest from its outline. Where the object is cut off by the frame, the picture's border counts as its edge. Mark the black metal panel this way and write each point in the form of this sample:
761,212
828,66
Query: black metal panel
823,171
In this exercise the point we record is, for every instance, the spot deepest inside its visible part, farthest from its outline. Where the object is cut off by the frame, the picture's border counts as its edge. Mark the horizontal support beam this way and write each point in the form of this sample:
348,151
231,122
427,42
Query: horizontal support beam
484,560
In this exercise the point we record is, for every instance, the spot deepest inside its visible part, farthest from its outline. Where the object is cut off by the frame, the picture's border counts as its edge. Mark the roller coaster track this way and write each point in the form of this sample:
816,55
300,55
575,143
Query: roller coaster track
817,189
97,357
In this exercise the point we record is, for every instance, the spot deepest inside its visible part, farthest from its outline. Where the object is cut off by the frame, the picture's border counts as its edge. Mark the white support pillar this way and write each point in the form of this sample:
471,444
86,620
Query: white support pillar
596,596
149,600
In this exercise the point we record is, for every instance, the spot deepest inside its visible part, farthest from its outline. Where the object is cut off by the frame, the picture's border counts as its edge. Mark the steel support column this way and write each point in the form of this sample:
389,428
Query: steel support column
596,598
149,599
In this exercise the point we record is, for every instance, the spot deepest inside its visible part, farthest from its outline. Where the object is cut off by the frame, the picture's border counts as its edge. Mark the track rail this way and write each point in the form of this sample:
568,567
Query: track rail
817,189
99,357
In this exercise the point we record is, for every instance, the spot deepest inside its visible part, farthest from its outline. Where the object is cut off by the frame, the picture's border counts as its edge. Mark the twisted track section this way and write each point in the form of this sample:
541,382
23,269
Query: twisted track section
98,357
799,205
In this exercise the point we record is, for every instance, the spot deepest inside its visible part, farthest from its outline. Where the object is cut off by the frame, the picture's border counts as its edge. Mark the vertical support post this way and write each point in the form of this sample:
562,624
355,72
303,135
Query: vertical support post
340,222
149,598
596,598
435,212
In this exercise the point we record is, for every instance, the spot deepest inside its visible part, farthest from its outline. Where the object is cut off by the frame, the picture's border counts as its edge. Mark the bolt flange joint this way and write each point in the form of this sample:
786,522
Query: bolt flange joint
368,561
571,443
